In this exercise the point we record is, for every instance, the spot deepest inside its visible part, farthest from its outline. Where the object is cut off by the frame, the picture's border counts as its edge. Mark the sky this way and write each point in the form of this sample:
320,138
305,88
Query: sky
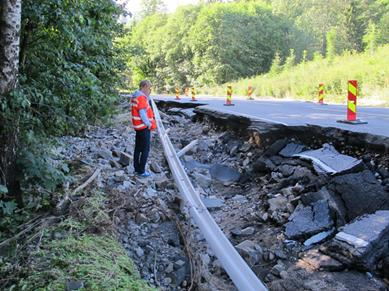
134,5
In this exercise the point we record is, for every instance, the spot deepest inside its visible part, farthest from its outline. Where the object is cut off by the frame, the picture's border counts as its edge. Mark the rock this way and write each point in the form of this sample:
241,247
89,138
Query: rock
280,254
383,172
141,218
313,260
318,238
301,174
250,251
180,274
307,221
245,147
277,269
124,159
169,268
188,113
179,263
125,186
167,281
284,275
155,167
385,267
363,242
360,193
246,162
275,148
74,285
139,252
163,183
234,150
239,198
328,160
202,180
224,173
104,154
213,203
261,166
243,232
115,153
286,170
291,149
279,203
114,164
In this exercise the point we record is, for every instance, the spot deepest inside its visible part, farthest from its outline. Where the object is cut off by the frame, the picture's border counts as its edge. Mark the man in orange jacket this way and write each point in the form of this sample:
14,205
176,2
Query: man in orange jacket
143,122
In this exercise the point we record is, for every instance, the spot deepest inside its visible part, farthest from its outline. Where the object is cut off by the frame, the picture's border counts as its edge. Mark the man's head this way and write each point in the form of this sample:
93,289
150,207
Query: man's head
145,87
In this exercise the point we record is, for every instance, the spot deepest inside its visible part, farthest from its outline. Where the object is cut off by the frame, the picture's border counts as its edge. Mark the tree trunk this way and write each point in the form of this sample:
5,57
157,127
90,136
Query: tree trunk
10,18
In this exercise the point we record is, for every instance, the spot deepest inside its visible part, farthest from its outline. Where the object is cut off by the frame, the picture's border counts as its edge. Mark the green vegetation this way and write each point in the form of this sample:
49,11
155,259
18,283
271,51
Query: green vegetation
302,80
70,68
208,44
215,43
82,248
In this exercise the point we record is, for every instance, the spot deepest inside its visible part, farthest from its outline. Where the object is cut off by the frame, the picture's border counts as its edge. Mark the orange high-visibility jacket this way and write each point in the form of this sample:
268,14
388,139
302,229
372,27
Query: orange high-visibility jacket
138,103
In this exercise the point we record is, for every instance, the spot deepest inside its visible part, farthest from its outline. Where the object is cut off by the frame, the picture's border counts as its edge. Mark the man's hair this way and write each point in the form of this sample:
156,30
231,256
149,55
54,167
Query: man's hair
144,83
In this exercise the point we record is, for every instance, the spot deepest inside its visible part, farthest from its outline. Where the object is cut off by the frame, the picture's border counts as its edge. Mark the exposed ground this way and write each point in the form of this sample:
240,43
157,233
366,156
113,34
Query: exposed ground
254,205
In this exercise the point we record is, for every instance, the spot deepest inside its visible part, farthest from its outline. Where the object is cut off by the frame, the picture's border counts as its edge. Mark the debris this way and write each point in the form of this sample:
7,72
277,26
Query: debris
363,242
250,251
291,149
329,160
317,238
224,173
313,260
309,220
124,159
213,203
353,190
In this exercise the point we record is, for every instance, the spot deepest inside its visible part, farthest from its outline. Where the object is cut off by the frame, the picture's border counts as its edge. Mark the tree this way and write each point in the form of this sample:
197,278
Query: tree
370,38
276,67
331,44
150,7
10,19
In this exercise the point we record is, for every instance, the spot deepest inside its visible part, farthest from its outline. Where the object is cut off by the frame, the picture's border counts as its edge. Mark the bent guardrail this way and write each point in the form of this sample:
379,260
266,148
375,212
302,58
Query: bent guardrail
237,269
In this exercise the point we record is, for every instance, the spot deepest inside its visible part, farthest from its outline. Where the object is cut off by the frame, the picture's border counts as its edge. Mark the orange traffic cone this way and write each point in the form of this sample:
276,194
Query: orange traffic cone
250,92
352,104
229,96
178,93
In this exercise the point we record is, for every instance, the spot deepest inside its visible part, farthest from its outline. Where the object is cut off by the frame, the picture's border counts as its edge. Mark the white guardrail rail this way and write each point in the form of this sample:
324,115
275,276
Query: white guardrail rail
237,269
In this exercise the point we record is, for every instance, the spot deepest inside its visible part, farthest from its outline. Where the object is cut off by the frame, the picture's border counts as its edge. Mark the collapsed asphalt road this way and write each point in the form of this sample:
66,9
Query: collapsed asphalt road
298,226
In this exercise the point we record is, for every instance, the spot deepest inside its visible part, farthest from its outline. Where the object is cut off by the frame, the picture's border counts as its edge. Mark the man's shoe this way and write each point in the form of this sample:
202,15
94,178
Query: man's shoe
145,175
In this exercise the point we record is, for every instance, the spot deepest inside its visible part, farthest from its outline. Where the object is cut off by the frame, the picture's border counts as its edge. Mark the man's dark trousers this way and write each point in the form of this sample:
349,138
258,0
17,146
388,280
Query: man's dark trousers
142,149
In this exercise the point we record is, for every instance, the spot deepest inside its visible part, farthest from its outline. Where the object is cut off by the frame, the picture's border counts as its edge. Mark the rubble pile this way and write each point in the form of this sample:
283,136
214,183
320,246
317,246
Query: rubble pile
298,215
281,205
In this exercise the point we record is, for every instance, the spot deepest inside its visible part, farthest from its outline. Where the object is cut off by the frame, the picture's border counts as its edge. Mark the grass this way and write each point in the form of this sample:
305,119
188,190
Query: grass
301,82
82,248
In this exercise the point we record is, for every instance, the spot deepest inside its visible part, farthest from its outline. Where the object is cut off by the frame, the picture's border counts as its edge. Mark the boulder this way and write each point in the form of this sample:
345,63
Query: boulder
363,242
213,203
224,173
250,251
360,193
309,220
275,148
124,159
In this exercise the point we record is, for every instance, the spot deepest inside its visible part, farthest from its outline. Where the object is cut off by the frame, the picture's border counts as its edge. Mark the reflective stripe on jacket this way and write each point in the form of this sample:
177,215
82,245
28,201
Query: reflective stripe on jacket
138,103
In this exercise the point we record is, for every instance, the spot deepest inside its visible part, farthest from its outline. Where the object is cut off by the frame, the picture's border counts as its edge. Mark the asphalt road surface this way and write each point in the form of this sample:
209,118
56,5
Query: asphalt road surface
296,113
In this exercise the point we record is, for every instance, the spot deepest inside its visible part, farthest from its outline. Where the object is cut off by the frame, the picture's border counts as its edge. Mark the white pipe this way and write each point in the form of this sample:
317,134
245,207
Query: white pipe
240,273
187,148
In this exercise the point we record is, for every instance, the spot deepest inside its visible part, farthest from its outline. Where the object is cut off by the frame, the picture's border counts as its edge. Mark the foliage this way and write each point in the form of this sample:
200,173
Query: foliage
301,81
208,44
69,66
70,251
